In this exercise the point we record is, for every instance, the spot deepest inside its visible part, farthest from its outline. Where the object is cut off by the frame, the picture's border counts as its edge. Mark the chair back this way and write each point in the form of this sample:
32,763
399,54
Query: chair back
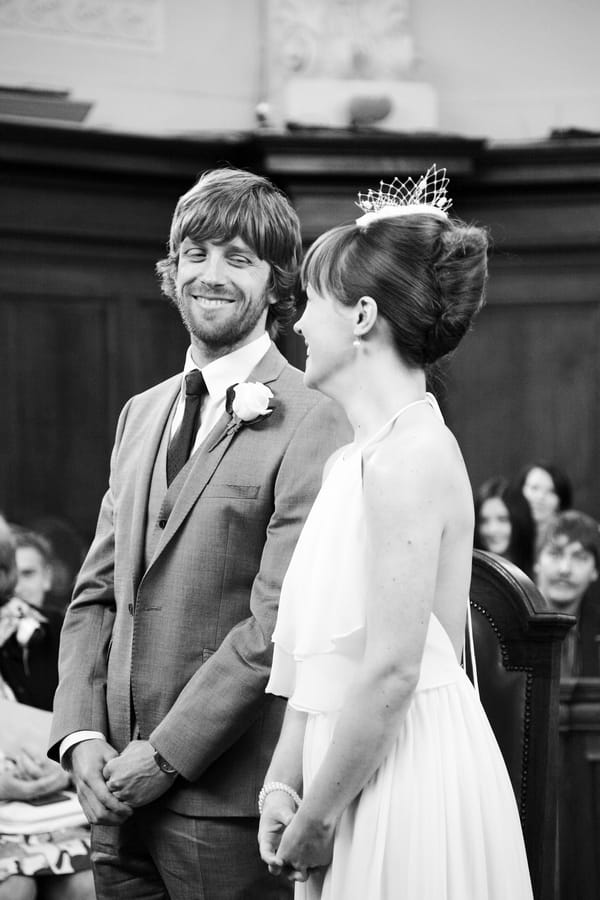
517,642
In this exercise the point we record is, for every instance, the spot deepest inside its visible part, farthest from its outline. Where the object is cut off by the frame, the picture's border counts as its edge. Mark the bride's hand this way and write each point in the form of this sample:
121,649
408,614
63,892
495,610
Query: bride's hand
305,846
278,812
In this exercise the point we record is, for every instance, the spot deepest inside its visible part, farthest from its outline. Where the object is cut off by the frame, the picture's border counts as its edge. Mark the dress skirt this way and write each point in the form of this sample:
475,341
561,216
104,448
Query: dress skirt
437,821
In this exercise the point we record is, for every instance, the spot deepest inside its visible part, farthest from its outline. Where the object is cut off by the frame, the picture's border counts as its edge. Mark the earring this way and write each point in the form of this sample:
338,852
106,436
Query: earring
357,342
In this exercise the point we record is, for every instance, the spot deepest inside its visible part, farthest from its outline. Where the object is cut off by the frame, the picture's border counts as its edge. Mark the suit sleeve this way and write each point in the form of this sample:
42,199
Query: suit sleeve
227,693
80,700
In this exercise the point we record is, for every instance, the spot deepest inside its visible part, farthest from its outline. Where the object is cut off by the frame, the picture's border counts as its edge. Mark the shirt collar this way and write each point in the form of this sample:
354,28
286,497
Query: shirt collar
230,369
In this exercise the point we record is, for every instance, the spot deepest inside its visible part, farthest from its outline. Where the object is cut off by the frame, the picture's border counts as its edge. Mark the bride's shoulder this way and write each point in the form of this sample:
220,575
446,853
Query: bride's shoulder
407,438
414,455
333,459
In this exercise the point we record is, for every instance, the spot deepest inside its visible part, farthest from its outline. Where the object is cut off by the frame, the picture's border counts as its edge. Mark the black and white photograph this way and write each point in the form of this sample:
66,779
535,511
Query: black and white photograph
300,405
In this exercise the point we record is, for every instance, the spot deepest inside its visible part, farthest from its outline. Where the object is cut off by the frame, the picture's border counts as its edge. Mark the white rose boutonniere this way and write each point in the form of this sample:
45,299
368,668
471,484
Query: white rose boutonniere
247,402
250,400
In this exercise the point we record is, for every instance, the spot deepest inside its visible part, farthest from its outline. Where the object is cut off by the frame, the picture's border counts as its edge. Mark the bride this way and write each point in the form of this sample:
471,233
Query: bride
387,781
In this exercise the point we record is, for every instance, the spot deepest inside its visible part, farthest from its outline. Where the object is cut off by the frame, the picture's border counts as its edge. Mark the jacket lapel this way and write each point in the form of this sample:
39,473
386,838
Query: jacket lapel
151,442
211,452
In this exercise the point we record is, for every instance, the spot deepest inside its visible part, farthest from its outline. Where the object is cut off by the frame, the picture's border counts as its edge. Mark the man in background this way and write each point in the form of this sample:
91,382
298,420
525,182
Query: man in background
566,568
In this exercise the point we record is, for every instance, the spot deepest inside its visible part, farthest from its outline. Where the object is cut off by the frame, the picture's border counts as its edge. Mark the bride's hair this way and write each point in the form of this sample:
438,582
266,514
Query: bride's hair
427,276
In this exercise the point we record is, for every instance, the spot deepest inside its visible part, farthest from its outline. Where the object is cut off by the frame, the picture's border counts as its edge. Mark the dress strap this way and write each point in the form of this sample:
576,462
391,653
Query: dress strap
428,398
472,647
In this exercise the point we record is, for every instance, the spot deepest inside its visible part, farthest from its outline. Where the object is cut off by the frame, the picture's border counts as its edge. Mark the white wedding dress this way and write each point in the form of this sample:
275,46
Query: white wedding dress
438,820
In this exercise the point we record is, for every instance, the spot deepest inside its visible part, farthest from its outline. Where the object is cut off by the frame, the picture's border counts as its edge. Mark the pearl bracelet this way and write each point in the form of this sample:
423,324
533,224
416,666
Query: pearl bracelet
271,786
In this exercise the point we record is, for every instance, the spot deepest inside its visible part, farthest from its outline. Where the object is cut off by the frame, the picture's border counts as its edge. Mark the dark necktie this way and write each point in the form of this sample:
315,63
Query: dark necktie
183,440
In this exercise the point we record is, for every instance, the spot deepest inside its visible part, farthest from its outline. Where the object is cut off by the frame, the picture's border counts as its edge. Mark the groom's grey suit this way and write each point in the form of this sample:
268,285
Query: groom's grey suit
170,625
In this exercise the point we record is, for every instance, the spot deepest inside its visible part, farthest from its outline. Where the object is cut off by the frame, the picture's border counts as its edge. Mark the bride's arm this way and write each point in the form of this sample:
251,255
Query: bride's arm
285,768
404,519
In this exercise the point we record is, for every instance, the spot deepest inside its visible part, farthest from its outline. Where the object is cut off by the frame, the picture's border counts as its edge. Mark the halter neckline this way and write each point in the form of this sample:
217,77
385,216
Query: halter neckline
429,399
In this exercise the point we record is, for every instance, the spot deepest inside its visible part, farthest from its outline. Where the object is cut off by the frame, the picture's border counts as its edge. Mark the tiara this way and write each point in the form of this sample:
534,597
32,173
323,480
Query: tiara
401,198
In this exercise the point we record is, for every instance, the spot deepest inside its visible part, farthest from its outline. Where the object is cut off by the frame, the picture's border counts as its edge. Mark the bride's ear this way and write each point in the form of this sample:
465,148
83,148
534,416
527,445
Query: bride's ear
365,316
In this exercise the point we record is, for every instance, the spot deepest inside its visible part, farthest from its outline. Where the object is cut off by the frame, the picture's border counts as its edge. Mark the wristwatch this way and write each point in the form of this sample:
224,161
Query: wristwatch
163,765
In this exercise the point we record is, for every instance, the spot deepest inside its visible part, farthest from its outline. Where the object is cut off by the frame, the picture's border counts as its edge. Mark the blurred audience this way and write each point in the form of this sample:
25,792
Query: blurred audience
29,634
567,565
48,865
34,567
68,552
504,523
548,491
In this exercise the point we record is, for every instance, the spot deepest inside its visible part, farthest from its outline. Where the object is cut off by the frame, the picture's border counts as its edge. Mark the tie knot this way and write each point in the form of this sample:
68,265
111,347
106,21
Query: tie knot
194,383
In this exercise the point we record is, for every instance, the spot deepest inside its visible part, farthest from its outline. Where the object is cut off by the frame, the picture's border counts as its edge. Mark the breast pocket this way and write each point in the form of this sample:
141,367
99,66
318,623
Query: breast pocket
222,490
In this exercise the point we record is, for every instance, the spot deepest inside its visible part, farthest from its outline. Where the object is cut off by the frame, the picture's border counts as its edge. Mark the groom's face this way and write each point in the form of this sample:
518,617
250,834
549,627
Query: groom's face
223,293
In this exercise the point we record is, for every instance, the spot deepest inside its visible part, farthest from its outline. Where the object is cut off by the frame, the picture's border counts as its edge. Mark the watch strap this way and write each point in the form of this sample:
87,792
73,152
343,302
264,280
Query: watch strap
163,765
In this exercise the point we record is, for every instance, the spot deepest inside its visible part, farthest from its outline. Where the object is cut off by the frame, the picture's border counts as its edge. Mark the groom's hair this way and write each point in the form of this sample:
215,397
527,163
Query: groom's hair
228,203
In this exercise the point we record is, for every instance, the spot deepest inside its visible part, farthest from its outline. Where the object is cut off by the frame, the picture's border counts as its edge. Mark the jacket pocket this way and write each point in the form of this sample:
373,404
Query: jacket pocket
237,491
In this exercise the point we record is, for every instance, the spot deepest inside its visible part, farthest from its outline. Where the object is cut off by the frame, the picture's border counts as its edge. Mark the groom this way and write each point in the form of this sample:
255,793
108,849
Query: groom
161,712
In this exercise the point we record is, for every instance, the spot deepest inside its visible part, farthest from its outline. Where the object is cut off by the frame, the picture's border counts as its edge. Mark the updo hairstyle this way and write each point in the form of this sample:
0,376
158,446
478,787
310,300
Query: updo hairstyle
427,276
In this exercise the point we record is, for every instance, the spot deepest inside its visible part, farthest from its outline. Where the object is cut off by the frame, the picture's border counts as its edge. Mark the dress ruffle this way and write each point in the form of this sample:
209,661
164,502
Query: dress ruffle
325,584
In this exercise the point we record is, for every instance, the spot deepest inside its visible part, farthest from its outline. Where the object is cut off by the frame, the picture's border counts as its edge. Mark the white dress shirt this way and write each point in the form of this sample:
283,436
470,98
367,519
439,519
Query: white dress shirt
218,375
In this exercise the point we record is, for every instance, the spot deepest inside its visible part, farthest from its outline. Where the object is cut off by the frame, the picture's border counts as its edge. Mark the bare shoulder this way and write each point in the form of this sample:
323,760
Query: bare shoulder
418,461
332,460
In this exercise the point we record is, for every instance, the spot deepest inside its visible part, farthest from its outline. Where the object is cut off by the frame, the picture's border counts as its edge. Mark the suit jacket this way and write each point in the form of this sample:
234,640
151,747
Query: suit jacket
184,644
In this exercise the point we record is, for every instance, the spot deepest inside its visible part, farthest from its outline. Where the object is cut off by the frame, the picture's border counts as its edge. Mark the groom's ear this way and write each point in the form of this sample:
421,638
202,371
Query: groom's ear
365,315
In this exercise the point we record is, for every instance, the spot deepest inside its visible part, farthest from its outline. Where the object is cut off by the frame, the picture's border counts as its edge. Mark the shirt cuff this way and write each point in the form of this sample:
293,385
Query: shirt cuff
76,737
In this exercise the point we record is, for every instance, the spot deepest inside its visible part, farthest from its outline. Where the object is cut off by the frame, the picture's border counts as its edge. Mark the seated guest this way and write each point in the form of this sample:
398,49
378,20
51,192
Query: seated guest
29,638
567,565
50,865
548,491
34,567
68,551
504,524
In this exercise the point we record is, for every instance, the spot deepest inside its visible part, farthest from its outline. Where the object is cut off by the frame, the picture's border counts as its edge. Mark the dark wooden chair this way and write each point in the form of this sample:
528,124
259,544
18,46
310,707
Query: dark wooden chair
517,651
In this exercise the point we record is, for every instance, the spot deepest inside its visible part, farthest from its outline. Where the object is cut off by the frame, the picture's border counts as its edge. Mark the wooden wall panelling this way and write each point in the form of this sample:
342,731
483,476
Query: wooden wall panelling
84,332
323,170
162,340
525,383
54,443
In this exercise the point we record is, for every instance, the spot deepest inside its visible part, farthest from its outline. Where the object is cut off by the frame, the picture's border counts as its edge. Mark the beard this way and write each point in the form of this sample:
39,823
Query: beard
220,332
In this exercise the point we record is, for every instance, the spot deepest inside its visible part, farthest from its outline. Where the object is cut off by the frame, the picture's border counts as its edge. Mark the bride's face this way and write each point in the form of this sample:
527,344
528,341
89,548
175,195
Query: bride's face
327,328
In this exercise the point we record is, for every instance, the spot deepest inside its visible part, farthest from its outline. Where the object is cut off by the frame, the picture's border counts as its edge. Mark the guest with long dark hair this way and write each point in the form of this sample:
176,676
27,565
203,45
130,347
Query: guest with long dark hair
547,489
504,523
